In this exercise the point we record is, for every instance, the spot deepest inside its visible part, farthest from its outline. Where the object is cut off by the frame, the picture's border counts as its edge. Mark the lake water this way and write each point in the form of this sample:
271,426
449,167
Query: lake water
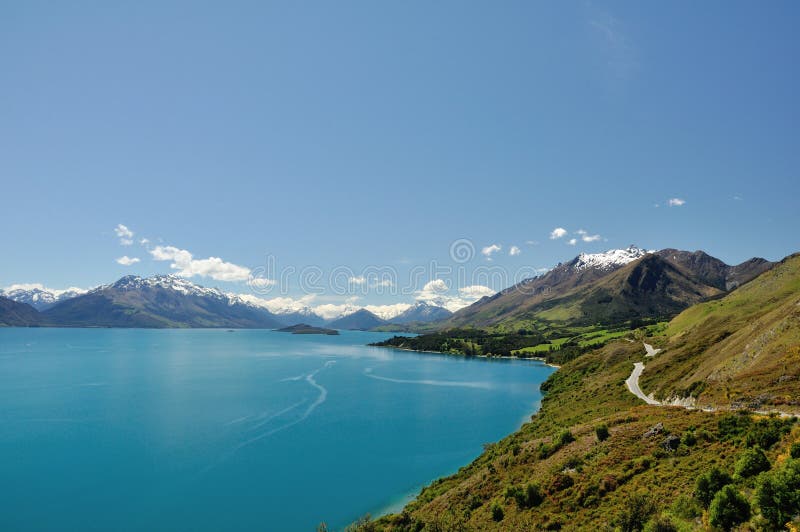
120,429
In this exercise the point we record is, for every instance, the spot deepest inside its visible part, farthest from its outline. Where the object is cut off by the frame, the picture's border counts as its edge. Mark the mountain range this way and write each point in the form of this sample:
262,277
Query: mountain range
167,301
591,289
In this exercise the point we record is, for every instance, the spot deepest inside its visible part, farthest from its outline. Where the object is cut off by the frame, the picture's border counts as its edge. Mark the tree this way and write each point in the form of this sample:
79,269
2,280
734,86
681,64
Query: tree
752,462
602,432
708,484
729,508
778,494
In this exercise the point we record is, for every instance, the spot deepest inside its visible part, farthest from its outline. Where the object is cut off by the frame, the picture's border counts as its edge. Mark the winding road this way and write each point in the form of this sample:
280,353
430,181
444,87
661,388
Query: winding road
633,384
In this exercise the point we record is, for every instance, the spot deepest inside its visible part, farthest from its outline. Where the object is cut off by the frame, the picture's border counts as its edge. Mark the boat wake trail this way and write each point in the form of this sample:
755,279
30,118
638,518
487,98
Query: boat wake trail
322,396
430,382
265,419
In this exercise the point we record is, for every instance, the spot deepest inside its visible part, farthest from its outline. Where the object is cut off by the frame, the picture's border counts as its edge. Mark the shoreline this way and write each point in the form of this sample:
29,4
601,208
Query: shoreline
485,357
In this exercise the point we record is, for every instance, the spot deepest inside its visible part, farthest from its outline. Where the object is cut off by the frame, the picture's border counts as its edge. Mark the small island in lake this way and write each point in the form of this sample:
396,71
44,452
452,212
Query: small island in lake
302,328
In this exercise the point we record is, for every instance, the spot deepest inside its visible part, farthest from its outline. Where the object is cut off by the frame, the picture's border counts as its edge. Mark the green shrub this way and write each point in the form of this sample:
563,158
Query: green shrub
686,507
751,462
601,432
729,508
497,512
525,497
363,524
733,425
636,510
565,438
767,432
708,484
660,524
777,494
794,452
688,438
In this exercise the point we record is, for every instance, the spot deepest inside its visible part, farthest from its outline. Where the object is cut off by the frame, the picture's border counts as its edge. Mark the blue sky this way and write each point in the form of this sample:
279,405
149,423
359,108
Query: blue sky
357,134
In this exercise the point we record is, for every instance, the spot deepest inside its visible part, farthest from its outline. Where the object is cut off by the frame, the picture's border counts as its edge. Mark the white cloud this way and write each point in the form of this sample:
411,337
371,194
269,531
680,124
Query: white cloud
388,312
557,233
188,266
477,291
514,251
675,202
144,241
279,305
127,261
586,237
572,241
384,283
437,293
532,242
330,311
489,250
357,280
125,235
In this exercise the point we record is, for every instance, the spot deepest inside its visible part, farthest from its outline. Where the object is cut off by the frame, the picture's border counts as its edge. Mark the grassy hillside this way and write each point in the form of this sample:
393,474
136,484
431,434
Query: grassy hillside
741,350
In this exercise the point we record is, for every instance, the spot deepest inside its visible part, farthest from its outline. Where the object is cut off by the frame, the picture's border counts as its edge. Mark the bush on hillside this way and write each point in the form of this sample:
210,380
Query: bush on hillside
751,462
728,509
708,484
777,494
636,510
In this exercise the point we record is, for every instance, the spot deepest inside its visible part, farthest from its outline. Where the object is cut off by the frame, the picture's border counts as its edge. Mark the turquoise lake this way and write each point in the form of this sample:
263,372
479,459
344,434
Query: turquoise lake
120,429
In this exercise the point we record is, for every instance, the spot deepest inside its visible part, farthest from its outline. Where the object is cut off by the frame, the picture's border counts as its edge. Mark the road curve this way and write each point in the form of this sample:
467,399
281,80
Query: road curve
633,384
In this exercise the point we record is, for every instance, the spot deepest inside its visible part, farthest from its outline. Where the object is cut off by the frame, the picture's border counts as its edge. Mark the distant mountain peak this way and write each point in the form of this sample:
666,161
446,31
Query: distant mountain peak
167,282
609,260
39,296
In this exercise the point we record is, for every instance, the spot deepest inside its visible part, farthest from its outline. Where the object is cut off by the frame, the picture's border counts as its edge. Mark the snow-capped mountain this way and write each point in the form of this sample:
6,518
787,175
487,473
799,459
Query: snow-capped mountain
610,260
166,282
39,296
159,301
422,312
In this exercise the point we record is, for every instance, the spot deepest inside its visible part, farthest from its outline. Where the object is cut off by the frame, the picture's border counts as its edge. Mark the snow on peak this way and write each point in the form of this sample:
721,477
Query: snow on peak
611,259
168,282
38,295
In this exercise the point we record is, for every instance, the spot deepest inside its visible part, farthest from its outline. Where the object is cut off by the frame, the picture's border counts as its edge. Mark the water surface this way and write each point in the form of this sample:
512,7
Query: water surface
120,429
